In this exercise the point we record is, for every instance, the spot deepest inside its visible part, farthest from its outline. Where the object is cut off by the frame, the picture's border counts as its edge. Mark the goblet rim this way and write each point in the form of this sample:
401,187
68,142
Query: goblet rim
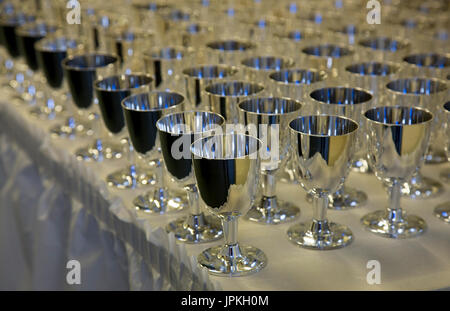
199,157
260,87
289,62
24,30
172,107
205,27
121,35
359,89
427,54
287,114
16,20
234,70
350,49
351,121
426,111
97,82
150,6
322,73
388,63
441,82
247,44
404,43
309,30
66,66
185,51
42,45
222,119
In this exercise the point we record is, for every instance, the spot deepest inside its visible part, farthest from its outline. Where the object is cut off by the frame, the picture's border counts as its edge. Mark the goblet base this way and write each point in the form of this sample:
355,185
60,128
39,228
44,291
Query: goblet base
44,112
72,128
232,260
126,179
272,211
345,199
195,229
161,201
361,166
99,151
445,175
320,236
405,226
422,189
442,211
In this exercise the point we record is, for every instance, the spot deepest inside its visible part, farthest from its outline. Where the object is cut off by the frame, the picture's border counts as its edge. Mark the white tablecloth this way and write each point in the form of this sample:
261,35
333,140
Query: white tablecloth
55,208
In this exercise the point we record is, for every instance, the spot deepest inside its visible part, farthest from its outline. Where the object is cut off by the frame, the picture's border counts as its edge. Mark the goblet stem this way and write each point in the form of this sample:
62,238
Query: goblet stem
268,182
230,231
394,211
193,200
320,205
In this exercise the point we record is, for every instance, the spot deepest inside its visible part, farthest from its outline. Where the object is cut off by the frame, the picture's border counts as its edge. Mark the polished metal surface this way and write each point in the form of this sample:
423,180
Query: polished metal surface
428,64
110,91
427,93
141,112
322,148
223,97
198,78
177,132
227,171
266,118
397,140
351,103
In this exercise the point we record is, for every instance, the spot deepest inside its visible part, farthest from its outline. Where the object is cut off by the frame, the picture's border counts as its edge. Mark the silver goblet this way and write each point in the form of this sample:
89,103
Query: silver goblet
327,57
177,132
442,211
351,103
267,118
224,97
229,52
397,139
226,168
384,48
110,92
428,64
81,71
427,93
258,68
322,148
141,112
198,78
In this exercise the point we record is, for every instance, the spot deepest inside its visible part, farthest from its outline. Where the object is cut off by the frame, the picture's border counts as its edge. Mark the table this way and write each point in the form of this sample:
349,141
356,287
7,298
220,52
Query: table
55,208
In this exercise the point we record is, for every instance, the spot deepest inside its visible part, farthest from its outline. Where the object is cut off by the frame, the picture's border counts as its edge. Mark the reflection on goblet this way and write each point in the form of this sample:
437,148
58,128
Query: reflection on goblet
110,92
267,118
442,211
322,148
198,78
347,102
223,97
226,168
397,141
141,112
427,93
177,132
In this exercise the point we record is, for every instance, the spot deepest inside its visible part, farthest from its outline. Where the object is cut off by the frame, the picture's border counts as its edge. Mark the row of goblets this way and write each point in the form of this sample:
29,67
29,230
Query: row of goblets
236,179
